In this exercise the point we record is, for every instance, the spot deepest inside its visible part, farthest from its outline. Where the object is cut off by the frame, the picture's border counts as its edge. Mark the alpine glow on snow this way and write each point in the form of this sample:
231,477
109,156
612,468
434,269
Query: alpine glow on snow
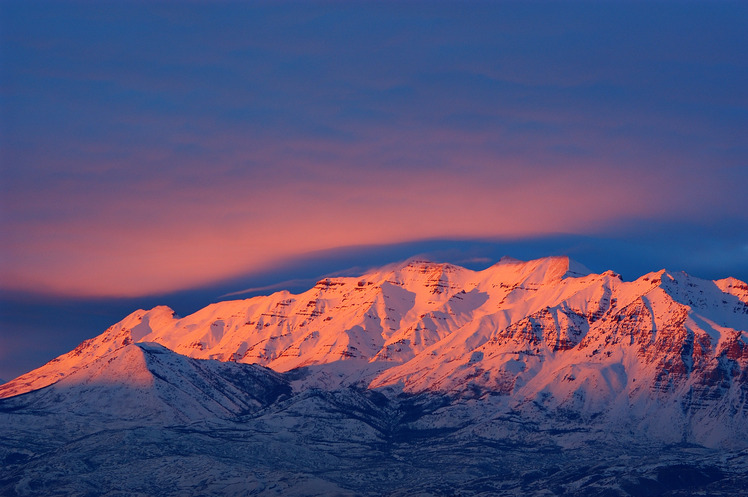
337,242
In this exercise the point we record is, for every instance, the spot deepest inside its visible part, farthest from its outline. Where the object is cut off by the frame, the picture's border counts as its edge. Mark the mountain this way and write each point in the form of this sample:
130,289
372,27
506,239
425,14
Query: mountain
147,382
539,366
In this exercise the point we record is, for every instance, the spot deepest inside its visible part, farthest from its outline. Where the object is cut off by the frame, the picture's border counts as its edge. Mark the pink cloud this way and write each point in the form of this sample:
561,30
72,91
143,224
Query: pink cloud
153,237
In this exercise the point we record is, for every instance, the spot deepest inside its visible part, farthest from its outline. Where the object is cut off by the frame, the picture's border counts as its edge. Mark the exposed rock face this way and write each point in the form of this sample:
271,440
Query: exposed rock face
544,331
511,373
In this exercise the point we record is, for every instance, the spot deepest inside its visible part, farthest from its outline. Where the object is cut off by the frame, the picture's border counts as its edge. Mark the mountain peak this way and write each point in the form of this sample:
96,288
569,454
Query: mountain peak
545,269
418,263
418,320
523,353
734,287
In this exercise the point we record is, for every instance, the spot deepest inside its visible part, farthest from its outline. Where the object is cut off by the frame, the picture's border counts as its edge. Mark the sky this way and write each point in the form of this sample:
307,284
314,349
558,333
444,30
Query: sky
171,153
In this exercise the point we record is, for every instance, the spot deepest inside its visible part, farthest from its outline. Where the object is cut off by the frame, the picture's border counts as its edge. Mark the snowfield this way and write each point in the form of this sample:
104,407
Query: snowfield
526,378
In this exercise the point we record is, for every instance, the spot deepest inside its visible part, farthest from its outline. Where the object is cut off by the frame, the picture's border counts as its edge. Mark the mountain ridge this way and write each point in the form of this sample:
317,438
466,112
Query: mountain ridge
420,315
526,378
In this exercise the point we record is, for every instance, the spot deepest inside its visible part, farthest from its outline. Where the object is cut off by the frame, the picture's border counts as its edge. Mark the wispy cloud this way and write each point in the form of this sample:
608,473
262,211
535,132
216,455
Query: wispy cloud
282,285
140,158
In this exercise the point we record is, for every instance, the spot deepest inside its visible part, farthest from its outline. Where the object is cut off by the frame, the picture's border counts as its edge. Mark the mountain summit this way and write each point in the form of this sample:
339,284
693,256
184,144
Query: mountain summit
543,343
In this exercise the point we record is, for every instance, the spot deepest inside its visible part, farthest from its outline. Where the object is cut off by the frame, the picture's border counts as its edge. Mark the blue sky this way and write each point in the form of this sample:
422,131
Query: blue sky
167,153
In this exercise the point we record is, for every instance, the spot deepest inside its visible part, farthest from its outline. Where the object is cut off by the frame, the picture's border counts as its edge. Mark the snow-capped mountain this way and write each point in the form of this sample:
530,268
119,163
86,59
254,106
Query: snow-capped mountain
147,383
516,353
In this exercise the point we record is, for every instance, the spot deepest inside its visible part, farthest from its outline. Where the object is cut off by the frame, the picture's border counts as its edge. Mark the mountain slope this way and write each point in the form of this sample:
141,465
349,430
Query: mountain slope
146,382
131,329
526,378
664,347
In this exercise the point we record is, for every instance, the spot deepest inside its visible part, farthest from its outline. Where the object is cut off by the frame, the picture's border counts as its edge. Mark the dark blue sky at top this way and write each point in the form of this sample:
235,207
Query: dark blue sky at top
183,152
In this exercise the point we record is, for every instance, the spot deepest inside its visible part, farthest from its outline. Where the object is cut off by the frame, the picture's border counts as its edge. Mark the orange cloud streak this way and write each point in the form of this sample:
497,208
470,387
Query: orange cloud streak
163,239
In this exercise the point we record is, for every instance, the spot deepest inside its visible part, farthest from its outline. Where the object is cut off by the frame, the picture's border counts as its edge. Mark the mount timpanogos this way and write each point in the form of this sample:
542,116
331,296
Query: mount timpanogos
540,354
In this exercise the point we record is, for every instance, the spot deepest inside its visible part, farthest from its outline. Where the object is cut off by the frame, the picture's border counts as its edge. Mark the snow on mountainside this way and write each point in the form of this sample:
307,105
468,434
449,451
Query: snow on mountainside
146,381
526,378
545,331
127,331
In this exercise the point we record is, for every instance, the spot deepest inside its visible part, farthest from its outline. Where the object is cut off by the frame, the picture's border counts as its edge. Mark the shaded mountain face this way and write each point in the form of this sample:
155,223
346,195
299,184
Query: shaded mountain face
147,384
537,357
